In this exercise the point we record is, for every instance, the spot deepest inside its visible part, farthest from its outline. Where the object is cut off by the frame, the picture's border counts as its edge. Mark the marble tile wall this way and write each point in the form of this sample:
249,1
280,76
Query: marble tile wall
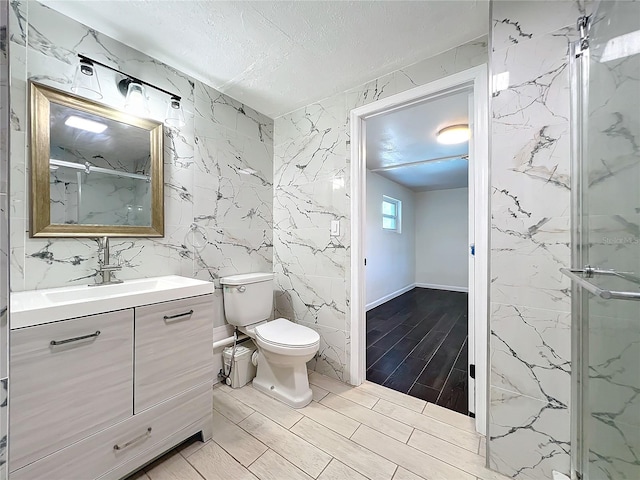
530,320
311,188
613,209
218,167
4,236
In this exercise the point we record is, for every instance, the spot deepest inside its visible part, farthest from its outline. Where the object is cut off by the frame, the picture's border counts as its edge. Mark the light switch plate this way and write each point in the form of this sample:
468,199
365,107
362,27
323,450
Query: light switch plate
335,228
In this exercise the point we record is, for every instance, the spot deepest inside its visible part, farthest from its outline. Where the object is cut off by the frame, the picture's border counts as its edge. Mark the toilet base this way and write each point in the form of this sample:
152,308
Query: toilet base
287,383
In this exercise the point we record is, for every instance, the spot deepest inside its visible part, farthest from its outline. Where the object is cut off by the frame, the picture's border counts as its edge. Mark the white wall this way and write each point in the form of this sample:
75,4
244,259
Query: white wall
442,232
390,256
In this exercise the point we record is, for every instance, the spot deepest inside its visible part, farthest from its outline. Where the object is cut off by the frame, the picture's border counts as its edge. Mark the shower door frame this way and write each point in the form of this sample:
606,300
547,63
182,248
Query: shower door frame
579,83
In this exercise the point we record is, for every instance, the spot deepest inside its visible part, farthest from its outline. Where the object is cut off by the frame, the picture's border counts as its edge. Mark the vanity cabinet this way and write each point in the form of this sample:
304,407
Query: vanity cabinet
165,332
102,395
69,390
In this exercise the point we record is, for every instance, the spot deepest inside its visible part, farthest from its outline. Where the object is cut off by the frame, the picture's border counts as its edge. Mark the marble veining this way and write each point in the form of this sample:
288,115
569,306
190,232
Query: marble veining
530,353
614,395
613,208
18,23
218,166
530,320
311,188
220,108
529,437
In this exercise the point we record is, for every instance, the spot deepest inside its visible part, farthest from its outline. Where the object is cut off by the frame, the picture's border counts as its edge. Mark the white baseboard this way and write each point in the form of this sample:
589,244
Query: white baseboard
443,287
386,298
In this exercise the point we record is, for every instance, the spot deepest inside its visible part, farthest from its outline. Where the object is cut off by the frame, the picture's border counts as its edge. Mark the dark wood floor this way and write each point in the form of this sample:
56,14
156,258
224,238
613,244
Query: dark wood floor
417,344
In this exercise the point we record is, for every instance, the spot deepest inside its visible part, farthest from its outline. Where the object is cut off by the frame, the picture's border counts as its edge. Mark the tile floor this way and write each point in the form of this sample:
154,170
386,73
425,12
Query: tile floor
417,344
346,433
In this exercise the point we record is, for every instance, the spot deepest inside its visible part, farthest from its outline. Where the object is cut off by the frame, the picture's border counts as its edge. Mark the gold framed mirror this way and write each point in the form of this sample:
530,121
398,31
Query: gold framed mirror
95,171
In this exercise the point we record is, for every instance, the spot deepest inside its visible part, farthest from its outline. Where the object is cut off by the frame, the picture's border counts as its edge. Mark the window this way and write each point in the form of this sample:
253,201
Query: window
391,213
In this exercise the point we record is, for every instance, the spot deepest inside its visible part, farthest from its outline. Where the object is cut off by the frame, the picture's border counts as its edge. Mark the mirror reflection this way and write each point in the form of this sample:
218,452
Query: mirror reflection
95,170
100,170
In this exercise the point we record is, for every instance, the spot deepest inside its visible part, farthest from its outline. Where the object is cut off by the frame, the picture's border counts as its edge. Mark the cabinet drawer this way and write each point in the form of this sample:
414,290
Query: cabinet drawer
63,392
172,349
94,456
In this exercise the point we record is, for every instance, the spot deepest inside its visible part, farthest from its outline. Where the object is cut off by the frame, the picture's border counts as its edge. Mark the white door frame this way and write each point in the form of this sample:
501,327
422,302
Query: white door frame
474,78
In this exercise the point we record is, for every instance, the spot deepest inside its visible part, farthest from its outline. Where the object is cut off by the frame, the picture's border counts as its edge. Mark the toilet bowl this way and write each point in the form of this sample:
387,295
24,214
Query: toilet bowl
284,347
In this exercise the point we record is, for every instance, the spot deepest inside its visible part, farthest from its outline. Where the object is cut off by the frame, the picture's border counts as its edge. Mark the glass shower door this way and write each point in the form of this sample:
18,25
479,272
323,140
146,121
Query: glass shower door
608,288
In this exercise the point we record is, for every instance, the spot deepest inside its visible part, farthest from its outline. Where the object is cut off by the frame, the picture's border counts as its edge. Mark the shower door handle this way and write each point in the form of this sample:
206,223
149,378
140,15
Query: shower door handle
589,272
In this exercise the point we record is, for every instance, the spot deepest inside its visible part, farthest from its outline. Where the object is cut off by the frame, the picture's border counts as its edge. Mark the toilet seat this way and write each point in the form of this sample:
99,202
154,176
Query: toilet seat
285,334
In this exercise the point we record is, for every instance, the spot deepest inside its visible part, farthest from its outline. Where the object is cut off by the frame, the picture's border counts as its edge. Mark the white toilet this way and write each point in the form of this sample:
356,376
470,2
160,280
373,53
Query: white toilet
284,347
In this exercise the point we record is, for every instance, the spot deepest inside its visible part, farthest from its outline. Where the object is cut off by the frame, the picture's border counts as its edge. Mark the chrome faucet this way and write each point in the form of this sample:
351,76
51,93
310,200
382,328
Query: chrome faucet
105,267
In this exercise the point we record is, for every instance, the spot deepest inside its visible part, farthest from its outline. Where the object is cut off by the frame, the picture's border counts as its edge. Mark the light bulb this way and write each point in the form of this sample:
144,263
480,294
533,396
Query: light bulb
136,101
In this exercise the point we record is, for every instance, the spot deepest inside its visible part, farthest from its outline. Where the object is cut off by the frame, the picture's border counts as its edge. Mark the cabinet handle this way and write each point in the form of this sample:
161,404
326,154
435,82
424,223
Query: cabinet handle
131,442
74,339
185,314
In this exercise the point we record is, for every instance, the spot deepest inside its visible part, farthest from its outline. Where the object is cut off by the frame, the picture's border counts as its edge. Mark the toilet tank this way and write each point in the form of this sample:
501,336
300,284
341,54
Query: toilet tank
248,298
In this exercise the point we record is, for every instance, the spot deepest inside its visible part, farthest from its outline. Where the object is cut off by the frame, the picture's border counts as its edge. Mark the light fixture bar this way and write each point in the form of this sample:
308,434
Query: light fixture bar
91,168
135,79
464,156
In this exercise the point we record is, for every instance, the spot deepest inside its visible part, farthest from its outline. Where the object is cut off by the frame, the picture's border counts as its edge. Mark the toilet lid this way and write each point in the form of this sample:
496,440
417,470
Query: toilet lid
287,334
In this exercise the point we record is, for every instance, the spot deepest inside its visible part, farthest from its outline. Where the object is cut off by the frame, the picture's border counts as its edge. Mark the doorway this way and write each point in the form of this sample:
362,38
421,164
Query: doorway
417,248
474,81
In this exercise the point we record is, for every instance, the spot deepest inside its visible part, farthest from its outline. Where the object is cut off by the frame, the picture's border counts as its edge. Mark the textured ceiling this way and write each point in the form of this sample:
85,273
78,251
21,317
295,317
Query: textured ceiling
408,135
276,56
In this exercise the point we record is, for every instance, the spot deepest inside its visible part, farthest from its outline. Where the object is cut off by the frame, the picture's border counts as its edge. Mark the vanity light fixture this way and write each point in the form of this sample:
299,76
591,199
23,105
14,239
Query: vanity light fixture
85,124
135,96
131,87
454,134
85,80
174,116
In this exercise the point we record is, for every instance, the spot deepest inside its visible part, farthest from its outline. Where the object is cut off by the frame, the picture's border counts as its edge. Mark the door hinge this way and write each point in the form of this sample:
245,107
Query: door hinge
472,247
583,25
472,371
365,262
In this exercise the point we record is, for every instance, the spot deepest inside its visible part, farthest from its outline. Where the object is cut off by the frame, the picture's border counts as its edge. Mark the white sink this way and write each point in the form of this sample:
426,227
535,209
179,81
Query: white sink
42,306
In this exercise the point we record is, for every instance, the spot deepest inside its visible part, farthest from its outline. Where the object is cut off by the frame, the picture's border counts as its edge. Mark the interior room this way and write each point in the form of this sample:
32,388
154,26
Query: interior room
417,250
183,209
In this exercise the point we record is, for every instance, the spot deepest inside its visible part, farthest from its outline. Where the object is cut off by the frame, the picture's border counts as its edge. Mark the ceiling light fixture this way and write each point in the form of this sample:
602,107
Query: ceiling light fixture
85,124
454,134
133,88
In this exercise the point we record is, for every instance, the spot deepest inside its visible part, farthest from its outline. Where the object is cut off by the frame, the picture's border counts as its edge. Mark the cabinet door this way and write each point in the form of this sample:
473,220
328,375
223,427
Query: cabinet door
69,379
173,349
103,452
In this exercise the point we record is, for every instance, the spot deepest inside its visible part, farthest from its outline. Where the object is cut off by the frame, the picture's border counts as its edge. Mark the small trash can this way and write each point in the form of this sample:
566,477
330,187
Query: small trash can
243,370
